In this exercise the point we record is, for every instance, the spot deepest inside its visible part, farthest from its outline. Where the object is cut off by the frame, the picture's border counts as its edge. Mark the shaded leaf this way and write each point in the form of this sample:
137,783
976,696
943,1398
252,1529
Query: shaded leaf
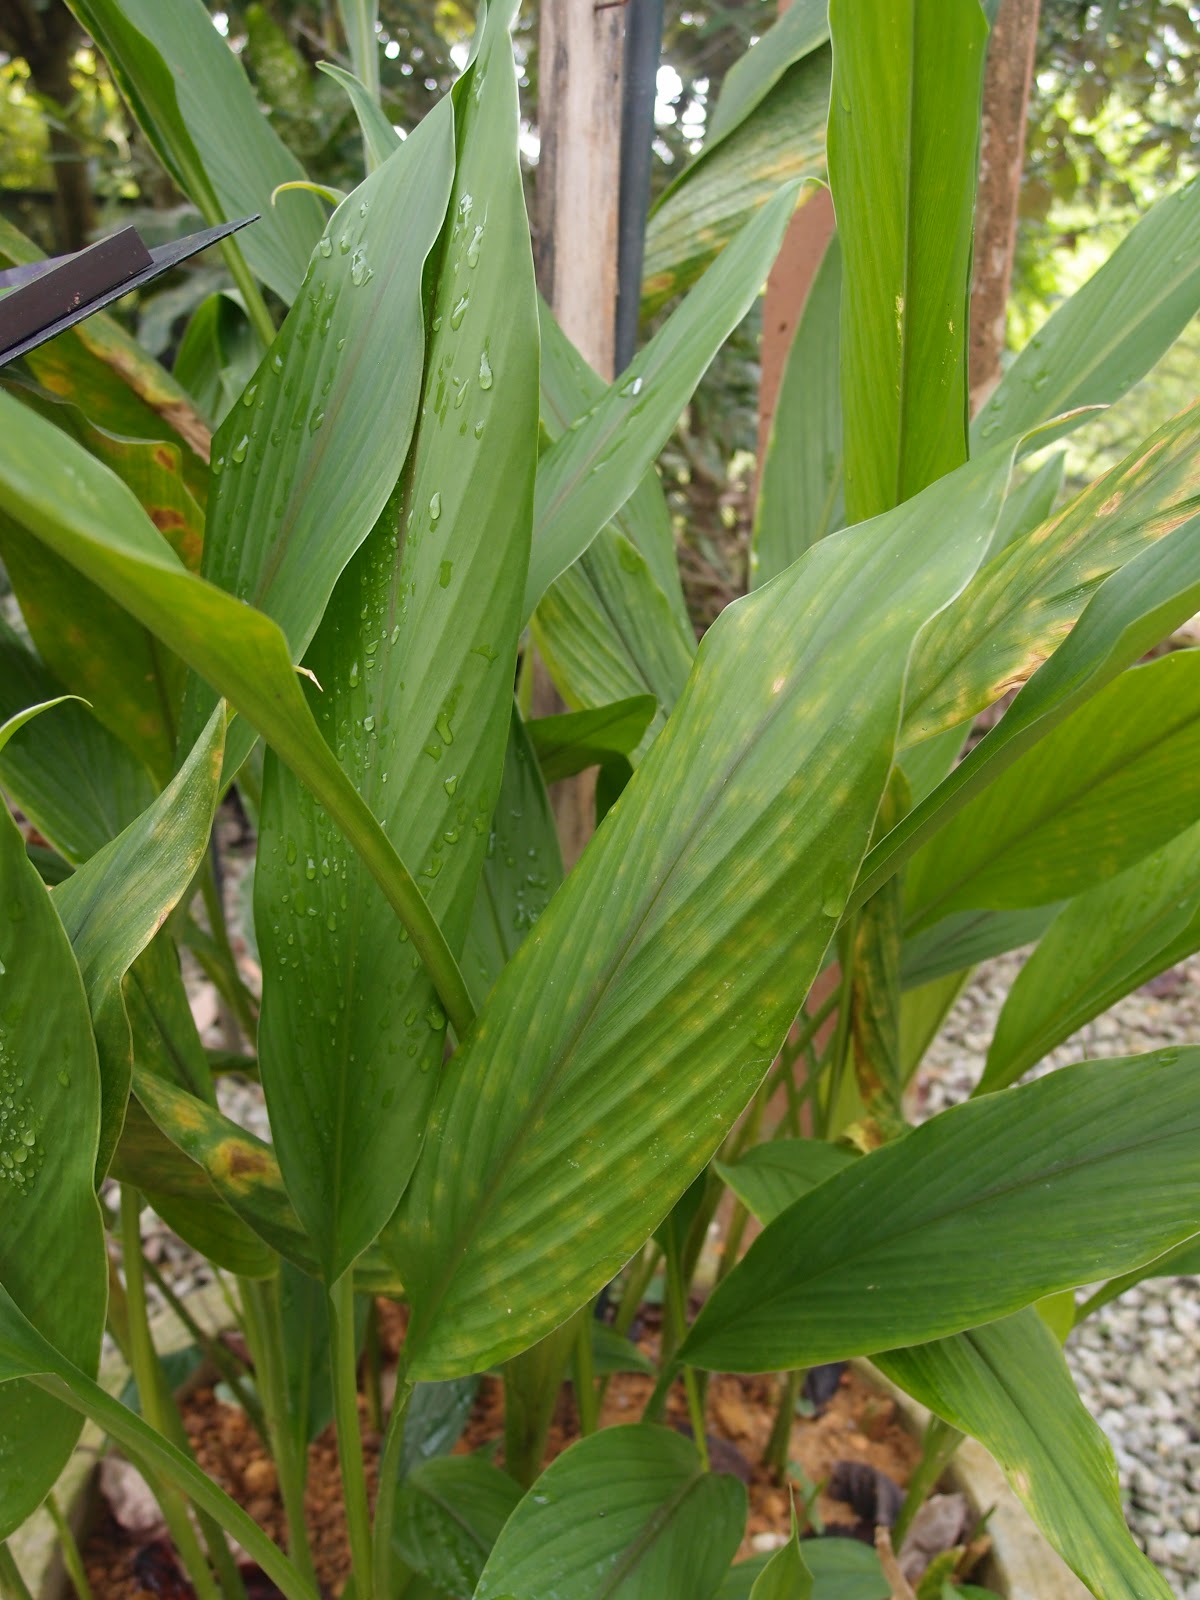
797,32
217,354
770,1176
958,1211
568,744
842,1569
449,1513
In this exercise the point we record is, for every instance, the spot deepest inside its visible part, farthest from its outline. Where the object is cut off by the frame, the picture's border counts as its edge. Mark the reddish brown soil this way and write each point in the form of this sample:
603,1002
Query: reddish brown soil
857,1425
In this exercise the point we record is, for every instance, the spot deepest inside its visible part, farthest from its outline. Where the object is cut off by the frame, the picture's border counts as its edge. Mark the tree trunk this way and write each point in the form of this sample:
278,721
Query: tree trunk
1001,160
578,183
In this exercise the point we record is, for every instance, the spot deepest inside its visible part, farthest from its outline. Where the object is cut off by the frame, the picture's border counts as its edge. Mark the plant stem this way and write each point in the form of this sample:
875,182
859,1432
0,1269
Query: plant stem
373,1370
72,1559
344,1356
215,1351
238,995
264,1331
841,1039
779,1444
12,1584
389,1477
678,1318
585,1375
635,1287
738,1218
256,306
940,1442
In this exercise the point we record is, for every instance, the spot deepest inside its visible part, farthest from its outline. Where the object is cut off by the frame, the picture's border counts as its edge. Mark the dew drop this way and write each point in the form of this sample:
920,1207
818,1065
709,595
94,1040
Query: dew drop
459,312
325,245
451,784
435,506
485,370
310,869
238,453
369,724
250,392
444,731
277,361
315,421
633,387
473,248
354,675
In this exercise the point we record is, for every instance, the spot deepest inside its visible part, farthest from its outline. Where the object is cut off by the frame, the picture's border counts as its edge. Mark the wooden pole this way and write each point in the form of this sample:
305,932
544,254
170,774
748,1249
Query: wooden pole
580,50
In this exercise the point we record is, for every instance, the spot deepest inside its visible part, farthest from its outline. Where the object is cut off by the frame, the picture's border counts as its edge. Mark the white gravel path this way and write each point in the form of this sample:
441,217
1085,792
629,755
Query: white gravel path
1136,1360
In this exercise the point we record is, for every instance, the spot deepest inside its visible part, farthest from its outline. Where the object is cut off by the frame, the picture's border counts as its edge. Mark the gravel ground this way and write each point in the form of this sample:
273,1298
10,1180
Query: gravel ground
1136,1360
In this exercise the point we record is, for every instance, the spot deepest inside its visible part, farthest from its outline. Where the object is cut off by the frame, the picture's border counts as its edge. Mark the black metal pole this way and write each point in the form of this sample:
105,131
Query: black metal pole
643,47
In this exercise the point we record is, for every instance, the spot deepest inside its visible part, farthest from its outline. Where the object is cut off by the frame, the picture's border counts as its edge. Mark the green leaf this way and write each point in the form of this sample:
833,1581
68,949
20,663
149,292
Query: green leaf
75,781
669,1000
307,1371
769,1177
521,870
436,1416
449,1513
786,1575
416,655
1008,1385
1100,947
589,472
842,1569
379,136
194,103
799,30
304,466
965,939
52,1257
1112,783
1183,1260
91,519
1138,605
1030,502
922,1012
903,145
625,1514
614,1352
93,645
217,354
569,744
1024,603
1098,343
958,1210
716,194
119,898
800,487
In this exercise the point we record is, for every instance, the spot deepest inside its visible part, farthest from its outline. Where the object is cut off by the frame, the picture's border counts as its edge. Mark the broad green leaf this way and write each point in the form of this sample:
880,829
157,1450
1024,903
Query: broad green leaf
842,1569
165,1037
1008,1385
1025,601
957,1213
521,869
1183,1260
195,105
1030,501
1111,784
613,1352
717,193
52,1256
800,486
112,379
1109,333
1100,947
903,144
1138,605
589,472
568,744
799,30
449,1513
770,1176
304,466
217,354
786,1575
670,1000
119,898
75,781
922,1012
91,519
132,682
436,1416
416,655
963,940
625,1514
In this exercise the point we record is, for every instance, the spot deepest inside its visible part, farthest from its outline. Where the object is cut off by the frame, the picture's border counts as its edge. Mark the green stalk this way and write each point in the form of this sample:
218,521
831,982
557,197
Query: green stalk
264,1331
940,1442
12,1584
779,1444
358,20
585,1375
72,1559
841,1037
148,1375
344,1356
233,990
373,1370
636,1285
157,1457
256,306
214,1349
389,1482
678,1315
